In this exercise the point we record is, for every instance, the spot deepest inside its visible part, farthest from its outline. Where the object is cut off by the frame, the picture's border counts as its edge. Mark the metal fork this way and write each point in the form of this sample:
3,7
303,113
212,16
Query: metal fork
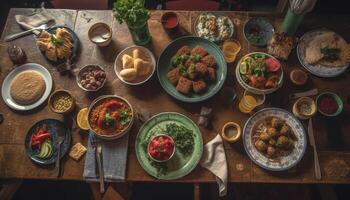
58,165
98,154
18,35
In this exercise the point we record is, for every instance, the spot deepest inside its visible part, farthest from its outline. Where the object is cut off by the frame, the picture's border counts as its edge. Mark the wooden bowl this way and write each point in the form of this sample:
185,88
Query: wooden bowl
54,95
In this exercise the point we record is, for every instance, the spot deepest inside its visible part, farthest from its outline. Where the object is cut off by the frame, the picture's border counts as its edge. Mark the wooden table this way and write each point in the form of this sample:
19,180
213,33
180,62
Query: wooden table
332,135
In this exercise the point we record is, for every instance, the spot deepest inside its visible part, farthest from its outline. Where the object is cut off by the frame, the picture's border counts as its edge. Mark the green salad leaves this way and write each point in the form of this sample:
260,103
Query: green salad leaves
131,12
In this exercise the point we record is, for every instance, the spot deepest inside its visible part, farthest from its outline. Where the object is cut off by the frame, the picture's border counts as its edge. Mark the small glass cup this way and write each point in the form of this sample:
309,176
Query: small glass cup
250,101
140,33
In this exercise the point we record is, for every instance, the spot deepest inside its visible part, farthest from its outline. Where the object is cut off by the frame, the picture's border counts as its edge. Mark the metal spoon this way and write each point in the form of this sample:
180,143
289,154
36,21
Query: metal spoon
18,35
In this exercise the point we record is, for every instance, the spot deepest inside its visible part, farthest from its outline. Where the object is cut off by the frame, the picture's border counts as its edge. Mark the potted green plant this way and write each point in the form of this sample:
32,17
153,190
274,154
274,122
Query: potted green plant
135,15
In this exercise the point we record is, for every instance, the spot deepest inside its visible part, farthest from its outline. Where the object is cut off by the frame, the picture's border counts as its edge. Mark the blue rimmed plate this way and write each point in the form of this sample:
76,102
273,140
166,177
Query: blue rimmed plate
285,162
57,128
317,69
258,31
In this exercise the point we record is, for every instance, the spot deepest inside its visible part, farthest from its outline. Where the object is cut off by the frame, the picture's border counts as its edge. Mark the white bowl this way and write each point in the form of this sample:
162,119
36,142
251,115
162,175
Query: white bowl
172,154
83,69
139,80
252,89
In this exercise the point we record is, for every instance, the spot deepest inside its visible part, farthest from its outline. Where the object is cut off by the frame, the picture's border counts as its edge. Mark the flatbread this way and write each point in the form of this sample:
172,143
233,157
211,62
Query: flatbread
313,53
27,87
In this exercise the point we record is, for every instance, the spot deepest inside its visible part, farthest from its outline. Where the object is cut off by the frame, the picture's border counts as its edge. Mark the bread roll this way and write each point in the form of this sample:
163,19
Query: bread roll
128,61
136,53
128,74
142,67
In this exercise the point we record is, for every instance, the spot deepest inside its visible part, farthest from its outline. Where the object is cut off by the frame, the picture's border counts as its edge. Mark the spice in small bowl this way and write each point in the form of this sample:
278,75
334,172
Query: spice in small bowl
170,22
304,108
298,77
161,148
329,104
100,34
62,102
231,132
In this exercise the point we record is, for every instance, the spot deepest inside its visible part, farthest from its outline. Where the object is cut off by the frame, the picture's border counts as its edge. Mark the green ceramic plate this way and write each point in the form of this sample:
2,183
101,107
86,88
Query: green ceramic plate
179,165
163,67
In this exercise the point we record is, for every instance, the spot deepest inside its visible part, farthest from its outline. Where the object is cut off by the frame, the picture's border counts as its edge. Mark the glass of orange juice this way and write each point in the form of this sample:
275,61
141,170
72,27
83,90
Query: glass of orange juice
230,49
250,101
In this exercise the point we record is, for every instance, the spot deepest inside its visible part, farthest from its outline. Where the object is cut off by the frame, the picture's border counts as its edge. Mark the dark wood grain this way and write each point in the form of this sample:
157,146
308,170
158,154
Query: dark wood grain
15,164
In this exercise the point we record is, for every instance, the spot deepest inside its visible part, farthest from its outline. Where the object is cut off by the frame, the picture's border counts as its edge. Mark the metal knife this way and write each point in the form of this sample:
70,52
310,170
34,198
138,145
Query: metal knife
313,144
100,167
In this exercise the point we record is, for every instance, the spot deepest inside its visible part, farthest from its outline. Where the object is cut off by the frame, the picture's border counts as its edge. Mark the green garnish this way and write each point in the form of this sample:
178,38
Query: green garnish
124,118
330,53
55,40
191,69
195,58
108,120
182,70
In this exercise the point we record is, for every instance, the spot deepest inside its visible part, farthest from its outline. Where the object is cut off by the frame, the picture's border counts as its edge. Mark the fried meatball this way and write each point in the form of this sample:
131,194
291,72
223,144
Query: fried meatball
209,60
272,132
276,123
188,63
285,129
271,151
184,85
199,50
199,86
173,76
264,136
260,145
185,50
211,74
282,141
201,69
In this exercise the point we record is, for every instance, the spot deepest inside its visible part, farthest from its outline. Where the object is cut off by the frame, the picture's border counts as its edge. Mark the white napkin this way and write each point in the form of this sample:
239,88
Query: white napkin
28,22
214,159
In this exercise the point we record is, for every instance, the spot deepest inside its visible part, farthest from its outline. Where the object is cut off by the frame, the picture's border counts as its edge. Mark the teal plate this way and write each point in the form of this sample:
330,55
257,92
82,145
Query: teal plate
164,66
179,165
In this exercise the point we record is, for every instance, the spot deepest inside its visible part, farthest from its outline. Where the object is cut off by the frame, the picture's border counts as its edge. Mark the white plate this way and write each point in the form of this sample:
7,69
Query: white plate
258,158
5,90
317,69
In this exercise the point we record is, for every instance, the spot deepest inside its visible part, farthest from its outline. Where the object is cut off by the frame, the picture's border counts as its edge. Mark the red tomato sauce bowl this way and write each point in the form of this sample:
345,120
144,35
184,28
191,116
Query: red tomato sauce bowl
170,20
161,148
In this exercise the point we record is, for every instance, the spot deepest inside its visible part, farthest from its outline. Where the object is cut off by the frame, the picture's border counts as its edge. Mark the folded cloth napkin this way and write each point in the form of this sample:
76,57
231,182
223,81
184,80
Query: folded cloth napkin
42,16
214,159
114,156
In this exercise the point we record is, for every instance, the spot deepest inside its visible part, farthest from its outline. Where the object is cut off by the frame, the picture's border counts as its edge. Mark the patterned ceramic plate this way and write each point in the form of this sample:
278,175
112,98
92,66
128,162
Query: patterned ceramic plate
179,165
55,127
163,67
286,162
261,27
318,70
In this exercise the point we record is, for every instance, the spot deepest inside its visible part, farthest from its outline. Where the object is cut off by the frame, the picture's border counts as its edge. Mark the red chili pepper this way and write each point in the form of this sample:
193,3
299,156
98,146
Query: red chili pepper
101,115
113,104
43,137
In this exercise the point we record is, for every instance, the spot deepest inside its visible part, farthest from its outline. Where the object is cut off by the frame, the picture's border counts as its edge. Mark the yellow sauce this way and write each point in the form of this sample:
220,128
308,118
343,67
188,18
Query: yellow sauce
231,132
230,50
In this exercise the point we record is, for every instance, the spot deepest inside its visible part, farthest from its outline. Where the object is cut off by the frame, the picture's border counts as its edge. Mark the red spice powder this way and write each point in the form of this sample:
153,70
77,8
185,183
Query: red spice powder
328,105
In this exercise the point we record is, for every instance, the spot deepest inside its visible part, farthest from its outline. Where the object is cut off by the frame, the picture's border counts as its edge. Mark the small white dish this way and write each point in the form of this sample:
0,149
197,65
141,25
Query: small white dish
118,66
6,86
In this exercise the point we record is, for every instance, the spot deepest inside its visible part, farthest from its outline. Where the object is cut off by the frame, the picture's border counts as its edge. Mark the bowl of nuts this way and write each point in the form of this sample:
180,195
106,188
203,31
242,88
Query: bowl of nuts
61,101
91,78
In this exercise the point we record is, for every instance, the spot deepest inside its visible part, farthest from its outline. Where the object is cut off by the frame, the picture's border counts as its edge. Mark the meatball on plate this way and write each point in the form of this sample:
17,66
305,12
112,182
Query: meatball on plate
191,69
274,139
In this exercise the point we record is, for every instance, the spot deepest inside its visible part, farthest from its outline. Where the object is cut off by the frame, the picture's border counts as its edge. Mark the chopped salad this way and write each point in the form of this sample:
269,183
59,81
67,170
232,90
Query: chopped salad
214,28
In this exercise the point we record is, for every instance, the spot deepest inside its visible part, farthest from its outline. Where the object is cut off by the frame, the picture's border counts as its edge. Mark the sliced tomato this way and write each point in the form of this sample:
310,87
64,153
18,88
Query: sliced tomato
272,64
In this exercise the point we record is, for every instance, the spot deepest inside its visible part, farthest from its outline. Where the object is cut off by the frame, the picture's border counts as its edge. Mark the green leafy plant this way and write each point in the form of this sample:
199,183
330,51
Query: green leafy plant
131,12
55,40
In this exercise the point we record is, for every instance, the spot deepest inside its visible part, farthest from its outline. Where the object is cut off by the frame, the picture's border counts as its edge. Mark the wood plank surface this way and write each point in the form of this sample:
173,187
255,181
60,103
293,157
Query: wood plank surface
14,163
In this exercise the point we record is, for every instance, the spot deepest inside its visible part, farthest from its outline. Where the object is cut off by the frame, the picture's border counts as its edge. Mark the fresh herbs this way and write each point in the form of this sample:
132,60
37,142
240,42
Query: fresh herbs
108,120
330,53
130,11
196,58
178,59
55,40
124,118
183,137
182,70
